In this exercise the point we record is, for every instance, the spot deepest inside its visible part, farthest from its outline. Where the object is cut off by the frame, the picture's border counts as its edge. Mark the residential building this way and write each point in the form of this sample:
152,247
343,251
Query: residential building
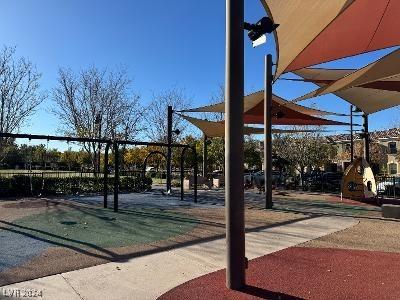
384,150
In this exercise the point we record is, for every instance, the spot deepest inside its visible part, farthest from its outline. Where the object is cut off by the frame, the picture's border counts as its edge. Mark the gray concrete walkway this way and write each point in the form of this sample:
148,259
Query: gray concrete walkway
150,276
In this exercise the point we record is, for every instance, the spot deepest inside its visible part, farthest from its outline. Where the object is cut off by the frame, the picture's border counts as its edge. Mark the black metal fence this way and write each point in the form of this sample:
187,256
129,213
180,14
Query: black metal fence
388,186
34,183
65,174
158,176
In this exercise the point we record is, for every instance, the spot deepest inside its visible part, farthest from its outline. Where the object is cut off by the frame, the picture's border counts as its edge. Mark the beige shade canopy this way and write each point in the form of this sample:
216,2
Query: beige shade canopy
217,129
256,99
300,22
312,32
385,69
370,97
283,112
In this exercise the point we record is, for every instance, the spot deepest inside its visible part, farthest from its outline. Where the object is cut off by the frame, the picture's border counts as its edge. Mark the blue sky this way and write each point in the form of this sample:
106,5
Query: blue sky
163,44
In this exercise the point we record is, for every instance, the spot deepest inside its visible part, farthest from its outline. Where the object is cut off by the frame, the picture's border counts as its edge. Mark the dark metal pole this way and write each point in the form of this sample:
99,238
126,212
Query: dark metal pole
182,171
196,166
205,156
99,153
366,137
268,132
351,135
234,190
105,177
169,149
116,176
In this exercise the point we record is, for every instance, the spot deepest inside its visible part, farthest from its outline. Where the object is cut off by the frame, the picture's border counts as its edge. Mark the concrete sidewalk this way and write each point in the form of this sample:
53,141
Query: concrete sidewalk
150,276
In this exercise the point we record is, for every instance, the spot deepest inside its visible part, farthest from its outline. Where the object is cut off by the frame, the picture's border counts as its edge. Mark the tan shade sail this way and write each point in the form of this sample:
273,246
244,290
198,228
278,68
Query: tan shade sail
257,99
312,32
369,97
324,77
284,115
249,102
217,129
300,22
386,70
283,112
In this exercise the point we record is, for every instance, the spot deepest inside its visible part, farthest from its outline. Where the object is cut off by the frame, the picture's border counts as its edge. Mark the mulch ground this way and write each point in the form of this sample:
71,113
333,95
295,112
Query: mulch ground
305,273
369,234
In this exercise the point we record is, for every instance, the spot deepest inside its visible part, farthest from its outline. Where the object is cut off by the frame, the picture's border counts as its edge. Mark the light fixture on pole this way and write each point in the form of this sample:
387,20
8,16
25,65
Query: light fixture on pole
257,32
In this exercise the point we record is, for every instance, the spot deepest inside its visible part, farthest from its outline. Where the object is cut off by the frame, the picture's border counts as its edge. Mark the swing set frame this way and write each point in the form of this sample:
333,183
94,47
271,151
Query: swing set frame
115,144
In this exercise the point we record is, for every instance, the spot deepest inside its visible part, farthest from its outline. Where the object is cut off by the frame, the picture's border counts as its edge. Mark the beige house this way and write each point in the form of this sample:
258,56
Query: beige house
388,150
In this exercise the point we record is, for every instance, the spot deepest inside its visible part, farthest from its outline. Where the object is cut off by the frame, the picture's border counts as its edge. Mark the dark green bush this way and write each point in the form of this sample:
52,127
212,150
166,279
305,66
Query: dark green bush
23,185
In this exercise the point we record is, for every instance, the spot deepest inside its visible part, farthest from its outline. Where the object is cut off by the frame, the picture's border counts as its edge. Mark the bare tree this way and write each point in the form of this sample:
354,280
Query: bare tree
156,116
218,97
19,93
304,149
97,104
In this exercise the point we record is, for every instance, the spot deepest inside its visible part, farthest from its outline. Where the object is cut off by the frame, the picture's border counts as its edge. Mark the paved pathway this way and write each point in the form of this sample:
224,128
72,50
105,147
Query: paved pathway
150,276
216,198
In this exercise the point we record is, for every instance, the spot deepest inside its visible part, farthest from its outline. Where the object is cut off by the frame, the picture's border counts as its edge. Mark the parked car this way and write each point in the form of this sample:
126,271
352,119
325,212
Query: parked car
257,179
322,181
217,173
388,185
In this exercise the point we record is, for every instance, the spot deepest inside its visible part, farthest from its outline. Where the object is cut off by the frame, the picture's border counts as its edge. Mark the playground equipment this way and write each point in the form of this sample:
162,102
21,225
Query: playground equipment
359,181
115,144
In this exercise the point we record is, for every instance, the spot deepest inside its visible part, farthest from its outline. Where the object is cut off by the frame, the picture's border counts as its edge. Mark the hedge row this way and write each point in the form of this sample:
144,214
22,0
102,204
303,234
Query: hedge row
22,185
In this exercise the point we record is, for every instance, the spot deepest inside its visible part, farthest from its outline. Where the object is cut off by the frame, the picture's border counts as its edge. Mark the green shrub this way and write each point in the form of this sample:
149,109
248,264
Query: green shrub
23,185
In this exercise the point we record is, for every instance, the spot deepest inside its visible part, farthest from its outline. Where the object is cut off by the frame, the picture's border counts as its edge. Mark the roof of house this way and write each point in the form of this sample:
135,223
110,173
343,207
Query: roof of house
374,135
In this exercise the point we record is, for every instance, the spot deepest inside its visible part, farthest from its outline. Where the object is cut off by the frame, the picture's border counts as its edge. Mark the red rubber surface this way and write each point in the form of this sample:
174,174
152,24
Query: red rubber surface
308,273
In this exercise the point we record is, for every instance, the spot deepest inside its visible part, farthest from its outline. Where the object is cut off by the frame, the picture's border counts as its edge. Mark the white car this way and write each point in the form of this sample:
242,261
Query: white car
382,186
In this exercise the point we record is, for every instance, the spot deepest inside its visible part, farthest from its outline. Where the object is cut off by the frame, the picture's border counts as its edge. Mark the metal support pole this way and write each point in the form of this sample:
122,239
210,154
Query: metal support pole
205,156
116,176
234,190
366,137
105,177
196,166
169,149
351,135
268,132
99,151
182,171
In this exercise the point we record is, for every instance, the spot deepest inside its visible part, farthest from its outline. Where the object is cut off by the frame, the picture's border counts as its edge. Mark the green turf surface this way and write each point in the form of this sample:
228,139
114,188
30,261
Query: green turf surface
91,227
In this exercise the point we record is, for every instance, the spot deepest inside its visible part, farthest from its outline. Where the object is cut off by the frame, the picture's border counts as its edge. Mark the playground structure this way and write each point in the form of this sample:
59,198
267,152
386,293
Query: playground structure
115,144
359,181
301,50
